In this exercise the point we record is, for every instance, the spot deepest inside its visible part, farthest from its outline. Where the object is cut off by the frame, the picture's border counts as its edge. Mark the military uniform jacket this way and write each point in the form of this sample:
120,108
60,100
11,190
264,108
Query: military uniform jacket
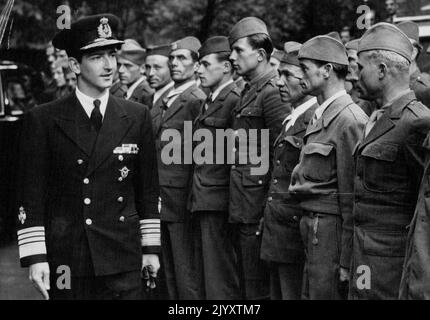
323,181
141,94
260,107
155,108
389,168
415,283
420,84
175,178
281,236
86,201
210,187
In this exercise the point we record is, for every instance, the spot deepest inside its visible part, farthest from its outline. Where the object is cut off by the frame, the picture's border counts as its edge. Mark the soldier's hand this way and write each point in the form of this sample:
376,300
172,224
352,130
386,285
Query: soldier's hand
39,276
343,274
151,263
260,227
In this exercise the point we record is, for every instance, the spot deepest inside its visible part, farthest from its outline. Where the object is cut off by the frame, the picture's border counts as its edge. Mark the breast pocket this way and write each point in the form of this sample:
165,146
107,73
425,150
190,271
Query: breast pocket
380,172
215,122
318,162
290,149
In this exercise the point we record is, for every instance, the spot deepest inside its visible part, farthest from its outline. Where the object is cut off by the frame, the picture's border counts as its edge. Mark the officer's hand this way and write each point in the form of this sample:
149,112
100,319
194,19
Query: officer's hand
39,275
152,264
260,227
343,274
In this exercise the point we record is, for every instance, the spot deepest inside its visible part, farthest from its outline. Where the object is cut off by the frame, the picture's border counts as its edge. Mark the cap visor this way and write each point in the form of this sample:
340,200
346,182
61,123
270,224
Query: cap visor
103,43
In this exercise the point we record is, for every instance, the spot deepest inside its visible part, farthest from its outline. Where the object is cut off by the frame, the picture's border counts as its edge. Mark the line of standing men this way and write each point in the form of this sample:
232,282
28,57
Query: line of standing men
333,207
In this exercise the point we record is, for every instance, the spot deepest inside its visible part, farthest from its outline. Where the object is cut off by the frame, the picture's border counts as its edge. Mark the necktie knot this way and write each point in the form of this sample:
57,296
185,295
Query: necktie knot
97,103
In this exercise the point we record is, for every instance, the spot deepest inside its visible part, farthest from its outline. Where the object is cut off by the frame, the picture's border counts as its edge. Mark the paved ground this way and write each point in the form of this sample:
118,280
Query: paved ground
14,283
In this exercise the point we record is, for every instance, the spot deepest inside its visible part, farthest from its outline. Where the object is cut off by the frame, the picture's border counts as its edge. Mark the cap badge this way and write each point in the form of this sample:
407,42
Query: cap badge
104,28
174,46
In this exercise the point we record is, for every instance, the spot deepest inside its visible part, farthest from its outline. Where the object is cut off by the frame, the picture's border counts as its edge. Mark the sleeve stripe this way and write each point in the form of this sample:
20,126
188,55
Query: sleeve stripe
145,221
30,235
32,249
33,229
32,239
151,242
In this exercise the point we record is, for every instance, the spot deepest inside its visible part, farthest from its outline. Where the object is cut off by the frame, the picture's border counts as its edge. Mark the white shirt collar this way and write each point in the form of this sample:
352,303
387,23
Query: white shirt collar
320,110
160,92
87,102
297,112
218,90
133,87
173,94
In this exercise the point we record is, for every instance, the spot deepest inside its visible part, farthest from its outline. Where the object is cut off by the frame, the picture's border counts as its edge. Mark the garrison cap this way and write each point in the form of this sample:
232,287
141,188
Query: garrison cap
278,54
132,51
291,58
412,30
215,44
247,27
190,43
291,46
324,48
335,35
162,50
97,31
386,36
352,45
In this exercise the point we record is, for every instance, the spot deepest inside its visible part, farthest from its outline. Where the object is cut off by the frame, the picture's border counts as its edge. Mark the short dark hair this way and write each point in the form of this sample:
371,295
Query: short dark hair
261,41
339,69
224,56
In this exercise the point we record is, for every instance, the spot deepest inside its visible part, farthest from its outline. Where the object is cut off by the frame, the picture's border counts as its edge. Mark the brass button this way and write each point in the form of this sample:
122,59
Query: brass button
238,116
296,218
89,222
269,199
80,161
275,181
278,162
120,157
87,201
120,199
233,167
260,181
121,219
120,179
281,145
86,181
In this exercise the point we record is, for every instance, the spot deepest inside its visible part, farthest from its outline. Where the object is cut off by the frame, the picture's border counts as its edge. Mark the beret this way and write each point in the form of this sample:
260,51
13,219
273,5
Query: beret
132,51
277,54
324,48
91,32
214,45
412,30
291,58
162,50
352,45
190,43
247,27
335,35
386,36
291,46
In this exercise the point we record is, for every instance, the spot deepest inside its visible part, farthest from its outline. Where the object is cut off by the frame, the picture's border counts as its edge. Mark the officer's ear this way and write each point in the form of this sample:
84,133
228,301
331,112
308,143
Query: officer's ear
74,65
382,70
228,69
262,55
327,69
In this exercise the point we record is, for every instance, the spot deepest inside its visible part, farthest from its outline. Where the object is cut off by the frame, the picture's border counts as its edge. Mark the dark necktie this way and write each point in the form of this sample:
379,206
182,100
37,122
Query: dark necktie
207,102
96,116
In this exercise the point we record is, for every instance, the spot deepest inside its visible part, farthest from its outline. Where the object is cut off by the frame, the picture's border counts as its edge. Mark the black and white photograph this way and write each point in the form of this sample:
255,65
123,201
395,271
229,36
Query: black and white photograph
214,155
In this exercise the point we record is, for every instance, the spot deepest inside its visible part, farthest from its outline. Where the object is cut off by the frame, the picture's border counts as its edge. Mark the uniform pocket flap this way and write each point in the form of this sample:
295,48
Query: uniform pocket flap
176,179
386,152
252,112
385,243
320,148
216,122
253,180
294,141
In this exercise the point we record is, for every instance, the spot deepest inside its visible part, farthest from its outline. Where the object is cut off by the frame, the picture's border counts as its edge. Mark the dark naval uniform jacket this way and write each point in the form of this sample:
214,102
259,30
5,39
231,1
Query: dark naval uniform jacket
175,179
282,241
210,185
260,107
88,200
389,168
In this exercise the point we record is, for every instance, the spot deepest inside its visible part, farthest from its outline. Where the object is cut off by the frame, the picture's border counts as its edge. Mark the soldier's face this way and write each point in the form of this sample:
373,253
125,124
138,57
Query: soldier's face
368,77
71,80
96,70
274,63
353,66
313,77
182,65
128,71
243,57
391,6
157,71
58,76
289,85
211,71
